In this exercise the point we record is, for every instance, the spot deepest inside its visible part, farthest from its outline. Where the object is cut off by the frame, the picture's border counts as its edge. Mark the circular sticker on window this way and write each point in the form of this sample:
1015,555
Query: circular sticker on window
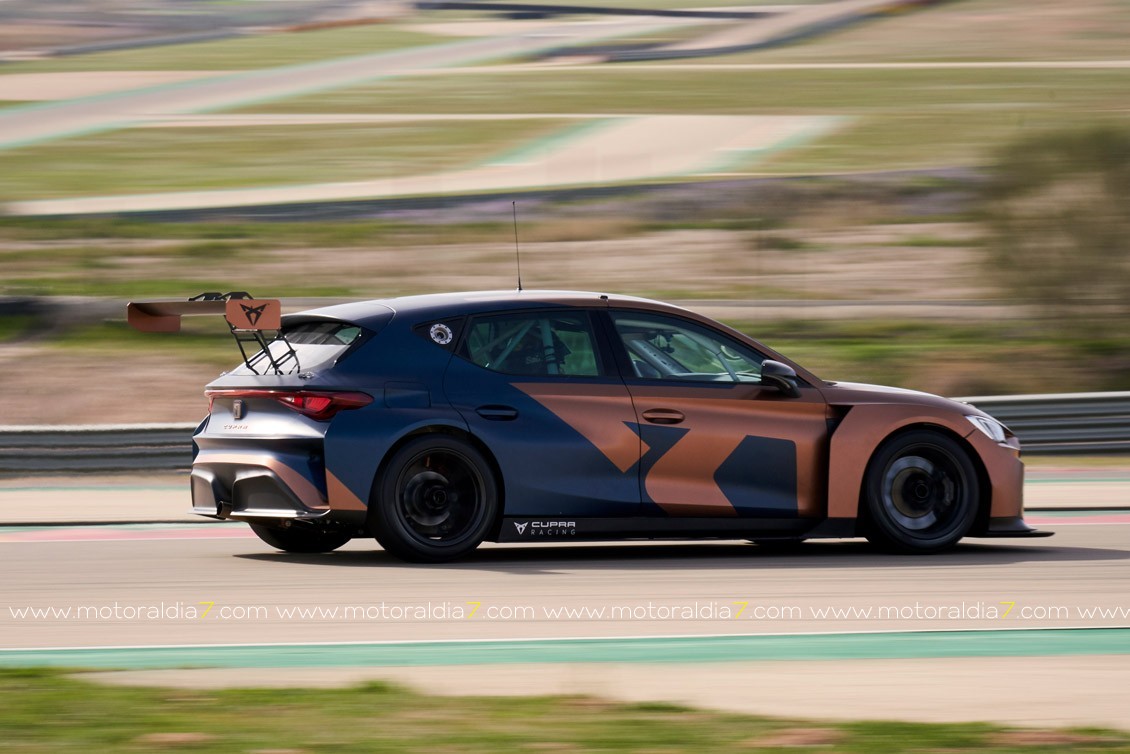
441,333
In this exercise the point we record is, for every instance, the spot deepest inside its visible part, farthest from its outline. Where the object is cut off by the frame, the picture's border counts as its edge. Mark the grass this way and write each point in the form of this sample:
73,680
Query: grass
133,288
947,359
990,358
898,141
895,118
898,118
15,326
632,88
242,53
44,710
359,259
979,30
186,237
176,159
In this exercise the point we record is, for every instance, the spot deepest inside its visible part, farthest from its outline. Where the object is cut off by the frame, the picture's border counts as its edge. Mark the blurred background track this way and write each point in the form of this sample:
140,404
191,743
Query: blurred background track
843,196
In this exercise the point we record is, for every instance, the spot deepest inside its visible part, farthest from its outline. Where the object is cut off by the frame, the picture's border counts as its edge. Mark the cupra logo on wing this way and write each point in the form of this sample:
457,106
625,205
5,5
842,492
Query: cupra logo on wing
253,313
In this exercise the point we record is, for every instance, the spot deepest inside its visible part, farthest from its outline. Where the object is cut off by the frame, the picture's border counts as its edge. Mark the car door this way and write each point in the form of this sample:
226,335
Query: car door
716,442
538,388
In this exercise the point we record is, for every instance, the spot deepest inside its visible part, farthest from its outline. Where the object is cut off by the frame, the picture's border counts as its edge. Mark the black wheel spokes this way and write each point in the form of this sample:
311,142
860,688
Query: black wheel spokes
921,491
440,497
944,490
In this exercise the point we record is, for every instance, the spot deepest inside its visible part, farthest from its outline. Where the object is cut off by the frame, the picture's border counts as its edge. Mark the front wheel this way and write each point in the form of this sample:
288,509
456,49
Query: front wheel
300,539
435,501
921,493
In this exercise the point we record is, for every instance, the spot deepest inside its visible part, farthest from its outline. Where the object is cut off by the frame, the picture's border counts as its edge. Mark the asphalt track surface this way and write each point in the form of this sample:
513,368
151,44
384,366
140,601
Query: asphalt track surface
255,594
1006,630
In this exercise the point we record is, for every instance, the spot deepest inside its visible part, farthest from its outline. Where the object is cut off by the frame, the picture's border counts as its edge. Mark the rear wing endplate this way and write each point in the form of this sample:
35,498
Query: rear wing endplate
252,321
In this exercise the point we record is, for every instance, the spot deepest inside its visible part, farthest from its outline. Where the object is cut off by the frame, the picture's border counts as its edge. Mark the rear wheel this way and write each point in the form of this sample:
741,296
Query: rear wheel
300,539
435,501
921,493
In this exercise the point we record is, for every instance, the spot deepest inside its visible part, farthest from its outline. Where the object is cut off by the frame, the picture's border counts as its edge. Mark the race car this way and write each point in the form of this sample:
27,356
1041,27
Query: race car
435,422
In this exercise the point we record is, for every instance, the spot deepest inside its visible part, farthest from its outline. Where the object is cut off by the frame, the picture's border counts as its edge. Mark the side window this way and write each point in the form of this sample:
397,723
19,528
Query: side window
668,348
533,343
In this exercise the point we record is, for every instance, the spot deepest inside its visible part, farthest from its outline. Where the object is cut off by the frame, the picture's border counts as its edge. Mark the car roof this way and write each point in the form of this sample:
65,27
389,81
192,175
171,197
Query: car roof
441,305
438,306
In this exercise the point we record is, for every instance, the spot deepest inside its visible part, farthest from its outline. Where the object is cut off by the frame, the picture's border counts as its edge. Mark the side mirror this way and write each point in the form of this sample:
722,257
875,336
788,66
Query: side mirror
783,377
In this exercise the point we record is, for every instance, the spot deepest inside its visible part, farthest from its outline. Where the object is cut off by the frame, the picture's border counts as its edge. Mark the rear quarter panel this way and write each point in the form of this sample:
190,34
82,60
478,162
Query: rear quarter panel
404,374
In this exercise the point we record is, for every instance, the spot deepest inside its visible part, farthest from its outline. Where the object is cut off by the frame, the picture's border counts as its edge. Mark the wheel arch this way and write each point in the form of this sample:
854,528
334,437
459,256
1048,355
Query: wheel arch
865,429
449,431
984,486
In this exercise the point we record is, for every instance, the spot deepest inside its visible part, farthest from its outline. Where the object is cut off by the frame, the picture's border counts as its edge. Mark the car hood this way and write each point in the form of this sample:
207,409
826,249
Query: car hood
858,393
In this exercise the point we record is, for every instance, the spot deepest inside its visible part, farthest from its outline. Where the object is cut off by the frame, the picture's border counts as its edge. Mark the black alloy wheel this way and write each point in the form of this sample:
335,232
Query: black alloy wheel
921,493
435,500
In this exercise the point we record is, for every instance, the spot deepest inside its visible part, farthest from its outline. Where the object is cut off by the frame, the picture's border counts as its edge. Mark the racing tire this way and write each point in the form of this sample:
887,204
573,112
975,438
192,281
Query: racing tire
300,539
921,493
435,500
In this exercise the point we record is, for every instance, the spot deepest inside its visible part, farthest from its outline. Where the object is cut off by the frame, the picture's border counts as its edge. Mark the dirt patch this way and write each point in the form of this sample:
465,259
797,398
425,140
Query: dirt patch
616,150
1057,738
739,275
173,740
38,87
917,262
44,386
795,738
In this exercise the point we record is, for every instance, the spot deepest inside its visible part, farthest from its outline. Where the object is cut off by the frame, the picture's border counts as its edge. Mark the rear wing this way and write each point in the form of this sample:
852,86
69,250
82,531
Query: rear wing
252,321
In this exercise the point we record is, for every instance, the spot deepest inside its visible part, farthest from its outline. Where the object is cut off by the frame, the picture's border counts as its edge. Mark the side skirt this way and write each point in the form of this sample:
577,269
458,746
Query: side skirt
572,529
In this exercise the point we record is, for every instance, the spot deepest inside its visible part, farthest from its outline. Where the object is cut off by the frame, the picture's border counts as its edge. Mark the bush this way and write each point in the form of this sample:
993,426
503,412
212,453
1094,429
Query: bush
1058,210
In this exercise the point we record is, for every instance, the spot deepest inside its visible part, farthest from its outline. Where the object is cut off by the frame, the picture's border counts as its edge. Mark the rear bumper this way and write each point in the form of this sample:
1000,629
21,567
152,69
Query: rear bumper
253,488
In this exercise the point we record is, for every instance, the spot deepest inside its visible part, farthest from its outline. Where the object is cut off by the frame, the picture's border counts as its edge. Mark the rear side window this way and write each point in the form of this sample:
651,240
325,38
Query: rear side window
317,344
533,343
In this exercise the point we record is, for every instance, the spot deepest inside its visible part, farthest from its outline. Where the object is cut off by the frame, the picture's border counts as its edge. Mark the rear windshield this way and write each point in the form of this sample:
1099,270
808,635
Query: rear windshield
317,344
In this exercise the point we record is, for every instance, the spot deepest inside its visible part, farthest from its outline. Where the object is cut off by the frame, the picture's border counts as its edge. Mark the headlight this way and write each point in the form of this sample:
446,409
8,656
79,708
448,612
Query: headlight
992,428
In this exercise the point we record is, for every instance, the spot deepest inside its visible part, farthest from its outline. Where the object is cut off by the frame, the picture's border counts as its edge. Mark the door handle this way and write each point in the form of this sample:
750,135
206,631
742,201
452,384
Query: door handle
663,416
497,413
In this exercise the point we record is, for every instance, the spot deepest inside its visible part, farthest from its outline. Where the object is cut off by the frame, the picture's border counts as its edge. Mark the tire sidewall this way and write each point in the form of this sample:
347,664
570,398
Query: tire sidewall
387,523
883,530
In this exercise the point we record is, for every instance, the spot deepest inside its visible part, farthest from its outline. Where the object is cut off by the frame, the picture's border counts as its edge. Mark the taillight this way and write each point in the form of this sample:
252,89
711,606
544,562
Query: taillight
319,406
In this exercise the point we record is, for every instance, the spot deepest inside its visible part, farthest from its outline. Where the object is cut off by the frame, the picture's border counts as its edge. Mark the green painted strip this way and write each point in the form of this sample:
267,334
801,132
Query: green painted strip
544,145
910,645
745,158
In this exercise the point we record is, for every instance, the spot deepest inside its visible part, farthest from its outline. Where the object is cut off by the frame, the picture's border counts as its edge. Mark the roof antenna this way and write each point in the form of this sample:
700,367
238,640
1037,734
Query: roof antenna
517,254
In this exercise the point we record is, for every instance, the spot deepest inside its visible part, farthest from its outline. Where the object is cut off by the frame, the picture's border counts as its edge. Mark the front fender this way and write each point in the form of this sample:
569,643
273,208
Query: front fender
864,429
